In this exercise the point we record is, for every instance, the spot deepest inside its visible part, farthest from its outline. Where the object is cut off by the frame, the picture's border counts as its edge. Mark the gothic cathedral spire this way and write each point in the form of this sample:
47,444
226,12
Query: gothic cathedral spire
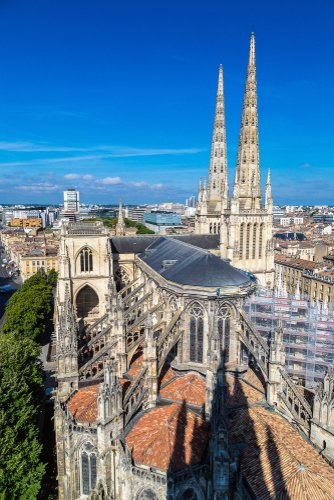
218,175
247,175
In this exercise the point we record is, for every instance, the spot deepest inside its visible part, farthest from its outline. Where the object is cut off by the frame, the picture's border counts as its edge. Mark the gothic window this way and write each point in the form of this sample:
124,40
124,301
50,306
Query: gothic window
223,326
254,240
87,302
88,469
261,240
215,228
86,260
147,494
122,278
248,240
241,242
196,327
210,228
189,494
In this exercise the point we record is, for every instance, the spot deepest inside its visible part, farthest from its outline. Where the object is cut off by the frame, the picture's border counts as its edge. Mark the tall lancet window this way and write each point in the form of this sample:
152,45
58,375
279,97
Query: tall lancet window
223,326
86,260
88,469
241,240
254,240
261,239
196,328
248,240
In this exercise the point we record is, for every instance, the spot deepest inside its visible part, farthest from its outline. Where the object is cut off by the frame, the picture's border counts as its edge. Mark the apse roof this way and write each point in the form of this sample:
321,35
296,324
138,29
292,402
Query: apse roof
186,264
137,244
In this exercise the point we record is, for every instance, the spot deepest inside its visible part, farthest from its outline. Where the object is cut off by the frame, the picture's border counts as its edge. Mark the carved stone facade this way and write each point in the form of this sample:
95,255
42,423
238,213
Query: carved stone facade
141,409
243,222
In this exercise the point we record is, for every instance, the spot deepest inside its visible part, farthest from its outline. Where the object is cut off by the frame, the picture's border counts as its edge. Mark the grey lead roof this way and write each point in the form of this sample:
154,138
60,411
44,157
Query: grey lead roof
188,265
137,244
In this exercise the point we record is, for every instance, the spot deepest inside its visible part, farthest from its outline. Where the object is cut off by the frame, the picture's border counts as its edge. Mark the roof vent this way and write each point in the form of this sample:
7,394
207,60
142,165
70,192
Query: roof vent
168,263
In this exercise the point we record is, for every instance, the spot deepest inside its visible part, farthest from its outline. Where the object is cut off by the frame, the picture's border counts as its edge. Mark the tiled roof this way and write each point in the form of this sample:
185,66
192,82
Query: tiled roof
298,263
83,405
276,460
167,375
189,388
168,437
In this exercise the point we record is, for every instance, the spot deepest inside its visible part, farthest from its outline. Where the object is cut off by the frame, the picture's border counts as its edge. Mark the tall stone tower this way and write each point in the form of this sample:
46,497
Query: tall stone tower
212,199
245,223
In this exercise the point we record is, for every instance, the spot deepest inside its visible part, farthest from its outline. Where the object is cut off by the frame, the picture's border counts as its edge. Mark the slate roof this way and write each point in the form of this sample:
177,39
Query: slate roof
138,244
186,264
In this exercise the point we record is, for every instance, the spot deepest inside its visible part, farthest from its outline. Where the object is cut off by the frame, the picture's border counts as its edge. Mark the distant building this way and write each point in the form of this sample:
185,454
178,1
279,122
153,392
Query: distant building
71,205
137,213
191,202
160,218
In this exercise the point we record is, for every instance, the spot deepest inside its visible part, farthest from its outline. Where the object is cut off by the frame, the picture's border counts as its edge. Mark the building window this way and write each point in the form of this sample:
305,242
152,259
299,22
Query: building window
196,327
86,260
247,240
241,243
223,326
254,240
88,469
260,240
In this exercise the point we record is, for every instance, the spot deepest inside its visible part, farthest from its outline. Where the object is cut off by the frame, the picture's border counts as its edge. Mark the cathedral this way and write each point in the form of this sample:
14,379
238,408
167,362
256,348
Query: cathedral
165,389
243,222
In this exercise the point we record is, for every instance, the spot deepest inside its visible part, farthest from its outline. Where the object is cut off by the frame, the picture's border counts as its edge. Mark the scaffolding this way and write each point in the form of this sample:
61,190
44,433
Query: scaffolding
308,330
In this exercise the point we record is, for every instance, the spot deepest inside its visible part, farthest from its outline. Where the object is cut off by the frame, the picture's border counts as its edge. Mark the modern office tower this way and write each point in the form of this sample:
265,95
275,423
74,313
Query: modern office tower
71,204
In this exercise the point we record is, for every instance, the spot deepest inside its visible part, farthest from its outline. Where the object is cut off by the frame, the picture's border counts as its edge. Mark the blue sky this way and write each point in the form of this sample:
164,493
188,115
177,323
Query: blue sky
117,98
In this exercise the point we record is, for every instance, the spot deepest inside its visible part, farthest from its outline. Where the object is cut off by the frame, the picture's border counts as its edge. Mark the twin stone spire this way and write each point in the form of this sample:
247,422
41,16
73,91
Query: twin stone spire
247,188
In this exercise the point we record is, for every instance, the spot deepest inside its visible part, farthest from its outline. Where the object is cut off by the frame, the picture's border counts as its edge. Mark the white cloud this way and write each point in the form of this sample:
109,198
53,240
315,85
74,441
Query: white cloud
110,180
40,187
85,177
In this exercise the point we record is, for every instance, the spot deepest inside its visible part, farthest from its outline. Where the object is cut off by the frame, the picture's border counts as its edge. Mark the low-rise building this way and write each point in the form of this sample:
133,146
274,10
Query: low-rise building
301,278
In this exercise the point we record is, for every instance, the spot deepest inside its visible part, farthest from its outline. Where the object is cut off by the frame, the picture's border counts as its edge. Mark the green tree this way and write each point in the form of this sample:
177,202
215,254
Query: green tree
21,383
52,277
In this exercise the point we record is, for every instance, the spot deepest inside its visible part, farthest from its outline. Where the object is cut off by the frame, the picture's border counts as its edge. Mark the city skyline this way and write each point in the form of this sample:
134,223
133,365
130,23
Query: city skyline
98,103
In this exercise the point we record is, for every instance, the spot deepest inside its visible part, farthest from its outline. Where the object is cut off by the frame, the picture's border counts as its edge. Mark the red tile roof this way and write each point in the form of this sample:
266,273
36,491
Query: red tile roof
83,405
189,388
168,436
276,460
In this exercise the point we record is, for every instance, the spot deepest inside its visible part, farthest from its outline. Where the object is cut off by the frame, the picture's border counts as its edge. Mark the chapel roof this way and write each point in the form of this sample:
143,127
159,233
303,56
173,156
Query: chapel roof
168,437
276,461
186,264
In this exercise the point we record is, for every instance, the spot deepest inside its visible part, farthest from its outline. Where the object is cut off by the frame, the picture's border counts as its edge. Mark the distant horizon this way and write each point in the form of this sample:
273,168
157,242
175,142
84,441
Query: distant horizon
119,101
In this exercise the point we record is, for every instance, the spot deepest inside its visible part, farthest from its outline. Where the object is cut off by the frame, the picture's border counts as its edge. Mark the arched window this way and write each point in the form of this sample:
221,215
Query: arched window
196,327
261,240
241,241
86,260
254,240
215,228
88,469
87,302
189,494
122,278
248,240
223,326
147,494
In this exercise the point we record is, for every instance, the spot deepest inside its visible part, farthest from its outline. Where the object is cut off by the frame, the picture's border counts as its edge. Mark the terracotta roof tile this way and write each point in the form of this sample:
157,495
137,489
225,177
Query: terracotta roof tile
83,405
168,436
167,375
276,460
189,388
